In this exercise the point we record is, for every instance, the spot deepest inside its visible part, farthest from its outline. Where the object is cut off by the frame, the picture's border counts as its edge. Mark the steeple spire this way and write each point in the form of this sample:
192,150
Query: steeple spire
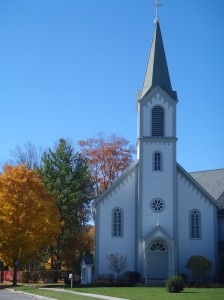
157,72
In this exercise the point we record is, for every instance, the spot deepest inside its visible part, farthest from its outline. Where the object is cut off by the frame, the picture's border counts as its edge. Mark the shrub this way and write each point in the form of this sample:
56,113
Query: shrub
26,276
199,265
135,277
128,278
175,284
34,276
111,277
54,274
29,276
131,277
184,277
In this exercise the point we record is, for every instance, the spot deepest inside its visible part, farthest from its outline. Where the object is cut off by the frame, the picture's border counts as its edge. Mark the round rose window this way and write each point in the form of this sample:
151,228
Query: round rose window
157,205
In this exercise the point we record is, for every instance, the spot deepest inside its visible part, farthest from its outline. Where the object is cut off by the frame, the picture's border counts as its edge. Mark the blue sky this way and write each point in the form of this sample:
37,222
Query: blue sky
71,68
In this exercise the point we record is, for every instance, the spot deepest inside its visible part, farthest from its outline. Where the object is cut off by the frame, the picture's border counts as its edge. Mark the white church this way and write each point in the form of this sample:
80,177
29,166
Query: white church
157,214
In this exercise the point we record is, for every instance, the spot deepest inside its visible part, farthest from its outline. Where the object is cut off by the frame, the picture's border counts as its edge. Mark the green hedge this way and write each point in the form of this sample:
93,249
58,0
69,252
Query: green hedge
44,275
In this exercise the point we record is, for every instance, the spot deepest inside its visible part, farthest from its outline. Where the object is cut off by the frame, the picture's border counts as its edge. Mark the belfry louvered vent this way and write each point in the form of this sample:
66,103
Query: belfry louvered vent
157,121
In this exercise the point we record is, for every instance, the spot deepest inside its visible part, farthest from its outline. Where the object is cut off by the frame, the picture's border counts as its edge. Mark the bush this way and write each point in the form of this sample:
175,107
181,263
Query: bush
199,265
184,277
26,276
128,278
54,274
175,284
34,276
131,277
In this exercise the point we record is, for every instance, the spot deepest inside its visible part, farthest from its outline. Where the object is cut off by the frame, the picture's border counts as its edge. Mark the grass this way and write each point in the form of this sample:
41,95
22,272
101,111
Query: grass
137,293
52,294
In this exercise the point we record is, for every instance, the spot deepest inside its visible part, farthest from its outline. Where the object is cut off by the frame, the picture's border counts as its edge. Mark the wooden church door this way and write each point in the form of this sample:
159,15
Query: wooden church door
157,267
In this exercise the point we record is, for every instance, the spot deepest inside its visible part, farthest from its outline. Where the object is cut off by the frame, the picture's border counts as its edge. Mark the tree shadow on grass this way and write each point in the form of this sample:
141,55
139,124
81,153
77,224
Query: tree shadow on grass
189,292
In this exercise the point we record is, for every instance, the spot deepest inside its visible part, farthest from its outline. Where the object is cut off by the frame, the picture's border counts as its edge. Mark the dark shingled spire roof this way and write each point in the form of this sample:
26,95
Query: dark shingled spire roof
157,71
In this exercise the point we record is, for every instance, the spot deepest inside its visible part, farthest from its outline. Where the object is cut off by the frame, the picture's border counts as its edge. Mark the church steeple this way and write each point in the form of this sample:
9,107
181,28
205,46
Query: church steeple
157,73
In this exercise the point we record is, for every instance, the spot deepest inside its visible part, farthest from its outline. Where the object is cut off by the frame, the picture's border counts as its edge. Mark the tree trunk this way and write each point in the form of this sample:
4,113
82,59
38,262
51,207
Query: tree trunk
15,271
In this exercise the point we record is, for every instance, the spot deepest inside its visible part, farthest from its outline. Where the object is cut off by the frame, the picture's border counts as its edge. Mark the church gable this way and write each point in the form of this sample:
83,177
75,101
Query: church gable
157,233
195,187
115,217
119,184
156,94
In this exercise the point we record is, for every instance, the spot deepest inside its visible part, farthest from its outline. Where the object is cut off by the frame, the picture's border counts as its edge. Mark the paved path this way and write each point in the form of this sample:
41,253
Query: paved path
8,294
85,294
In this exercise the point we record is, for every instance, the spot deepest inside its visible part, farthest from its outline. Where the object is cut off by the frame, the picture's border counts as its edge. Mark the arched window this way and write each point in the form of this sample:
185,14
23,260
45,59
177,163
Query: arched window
157,161
158,246
195,224
157,121
117,222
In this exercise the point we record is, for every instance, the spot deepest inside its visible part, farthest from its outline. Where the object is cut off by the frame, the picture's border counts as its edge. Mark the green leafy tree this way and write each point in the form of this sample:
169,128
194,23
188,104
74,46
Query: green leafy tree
199,265
65,173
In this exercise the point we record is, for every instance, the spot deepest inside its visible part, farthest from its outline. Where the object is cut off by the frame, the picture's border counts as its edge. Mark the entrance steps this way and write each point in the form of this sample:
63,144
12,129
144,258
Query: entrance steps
156,282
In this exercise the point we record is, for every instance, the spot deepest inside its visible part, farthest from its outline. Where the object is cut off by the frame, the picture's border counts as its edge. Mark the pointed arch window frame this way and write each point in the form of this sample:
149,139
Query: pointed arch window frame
157,121
117,222
195,224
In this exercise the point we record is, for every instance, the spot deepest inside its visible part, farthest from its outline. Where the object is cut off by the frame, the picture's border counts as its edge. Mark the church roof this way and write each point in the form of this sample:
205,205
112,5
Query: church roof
213,182
157,71
199,186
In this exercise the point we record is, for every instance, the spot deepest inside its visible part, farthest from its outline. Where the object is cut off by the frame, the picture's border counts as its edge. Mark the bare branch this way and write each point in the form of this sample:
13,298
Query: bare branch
117,262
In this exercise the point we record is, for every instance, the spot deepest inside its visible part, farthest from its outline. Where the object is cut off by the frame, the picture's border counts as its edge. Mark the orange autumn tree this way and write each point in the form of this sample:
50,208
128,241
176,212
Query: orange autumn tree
29,218
108,158
83,242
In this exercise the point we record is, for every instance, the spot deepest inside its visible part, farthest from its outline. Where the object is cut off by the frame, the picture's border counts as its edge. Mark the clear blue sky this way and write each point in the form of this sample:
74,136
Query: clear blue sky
71,68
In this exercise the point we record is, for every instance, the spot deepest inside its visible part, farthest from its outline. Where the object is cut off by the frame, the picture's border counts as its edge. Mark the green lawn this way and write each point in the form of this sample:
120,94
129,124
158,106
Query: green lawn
55,295
133,293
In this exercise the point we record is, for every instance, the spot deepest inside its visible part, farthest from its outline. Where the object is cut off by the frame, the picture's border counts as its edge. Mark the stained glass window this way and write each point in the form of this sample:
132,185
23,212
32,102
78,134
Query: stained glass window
117,216
195,224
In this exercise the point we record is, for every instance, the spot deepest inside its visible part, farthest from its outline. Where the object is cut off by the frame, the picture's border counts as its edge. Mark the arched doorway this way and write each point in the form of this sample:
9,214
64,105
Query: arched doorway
157,266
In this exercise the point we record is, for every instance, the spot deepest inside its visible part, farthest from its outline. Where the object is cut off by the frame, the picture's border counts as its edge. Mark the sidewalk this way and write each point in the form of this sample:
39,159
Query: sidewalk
85,294
30,295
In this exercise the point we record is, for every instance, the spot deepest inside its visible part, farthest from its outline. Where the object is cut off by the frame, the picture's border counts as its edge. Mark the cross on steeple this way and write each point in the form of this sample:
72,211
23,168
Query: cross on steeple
157,5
